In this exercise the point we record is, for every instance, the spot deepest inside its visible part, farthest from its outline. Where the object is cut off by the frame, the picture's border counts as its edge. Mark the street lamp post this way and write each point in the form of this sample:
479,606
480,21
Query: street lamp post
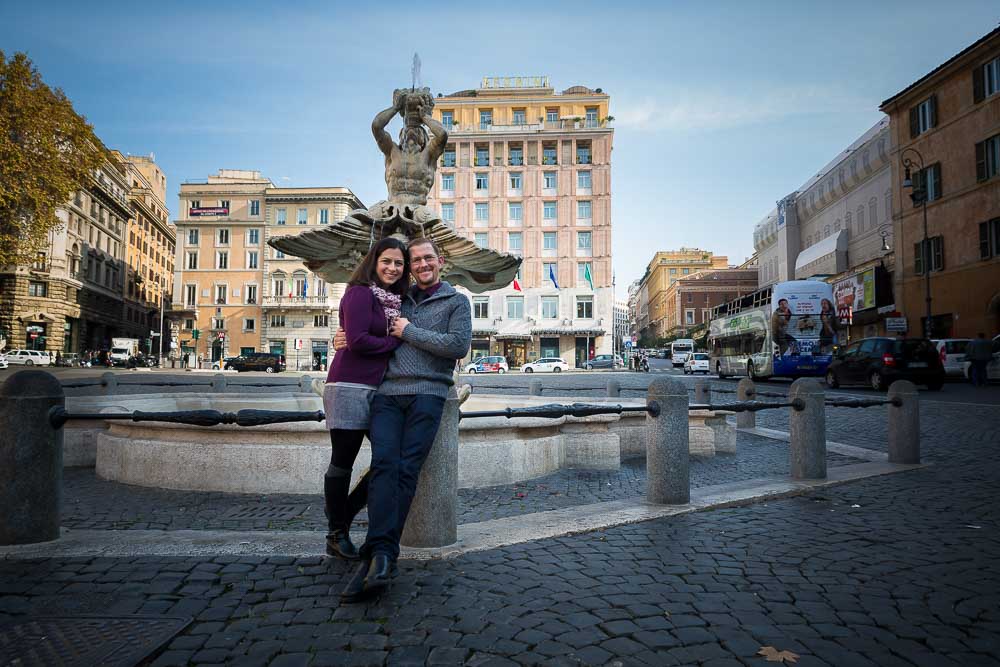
919,196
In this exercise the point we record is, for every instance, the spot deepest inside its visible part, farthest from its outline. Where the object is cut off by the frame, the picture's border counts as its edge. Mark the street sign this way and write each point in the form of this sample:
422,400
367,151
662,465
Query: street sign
635,339
897,324
628,345
298,343
222,335
33,335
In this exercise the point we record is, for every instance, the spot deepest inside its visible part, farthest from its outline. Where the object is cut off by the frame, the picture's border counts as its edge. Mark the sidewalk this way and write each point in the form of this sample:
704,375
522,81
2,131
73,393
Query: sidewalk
895,570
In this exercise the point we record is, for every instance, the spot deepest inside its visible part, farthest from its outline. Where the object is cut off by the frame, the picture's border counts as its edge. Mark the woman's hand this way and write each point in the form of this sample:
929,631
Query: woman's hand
340,340
398,326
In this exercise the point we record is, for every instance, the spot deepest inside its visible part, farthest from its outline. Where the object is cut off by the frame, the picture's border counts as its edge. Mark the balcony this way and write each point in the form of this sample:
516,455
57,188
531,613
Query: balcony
549,125
296,302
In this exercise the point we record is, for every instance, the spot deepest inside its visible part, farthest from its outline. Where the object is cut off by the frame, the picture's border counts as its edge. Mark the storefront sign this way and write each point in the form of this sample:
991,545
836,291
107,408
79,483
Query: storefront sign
210,210
855,294
896,324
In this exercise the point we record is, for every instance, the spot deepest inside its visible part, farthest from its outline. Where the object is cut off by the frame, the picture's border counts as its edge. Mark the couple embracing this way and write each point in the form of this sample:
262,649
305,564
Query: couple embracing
396,352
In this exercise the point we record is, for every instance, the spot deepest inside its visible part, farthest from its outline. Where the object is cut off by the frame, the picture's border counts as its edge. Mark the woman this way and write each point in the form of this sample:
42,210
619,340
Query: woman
828,332
367,310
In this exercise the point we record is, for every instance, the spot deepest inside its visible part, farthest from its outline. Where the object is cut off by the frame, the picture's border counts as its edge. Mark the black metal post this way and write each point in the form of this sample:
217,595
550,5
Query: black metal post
920,194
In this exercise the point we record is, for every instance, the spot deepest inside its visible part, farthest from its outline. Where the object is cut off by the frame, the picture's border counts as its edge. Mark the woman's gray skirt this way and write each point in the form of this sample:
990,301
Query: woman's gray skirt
347,405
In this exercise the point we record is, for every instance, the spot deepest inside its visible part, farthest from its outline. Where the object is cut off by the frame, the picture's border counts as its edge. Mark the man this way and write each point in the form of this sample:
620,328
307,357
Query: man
979,353
779,326
436,329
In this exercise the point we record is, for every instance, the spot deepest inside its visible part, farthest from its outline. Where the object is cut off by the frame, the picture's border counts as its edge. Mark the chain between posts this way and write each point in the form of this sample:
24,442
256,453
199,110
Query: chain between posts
555,410
59,416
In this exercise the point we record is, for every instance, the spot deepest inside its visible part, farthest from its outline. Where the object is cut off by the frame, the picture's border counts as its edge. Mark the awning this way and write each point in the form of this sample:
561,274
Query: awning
568,331
483,332
827,257
517,330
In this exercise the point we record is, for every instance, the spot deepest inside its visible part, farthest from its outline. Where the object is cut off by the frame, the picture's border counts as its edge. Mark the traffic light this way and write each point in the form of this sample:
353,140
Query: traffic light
195,333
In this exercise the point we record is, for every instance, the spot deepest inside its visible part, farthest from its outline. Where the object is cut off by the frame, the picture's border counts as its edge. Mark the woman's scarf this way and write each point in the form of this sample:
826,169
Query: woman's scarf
391,303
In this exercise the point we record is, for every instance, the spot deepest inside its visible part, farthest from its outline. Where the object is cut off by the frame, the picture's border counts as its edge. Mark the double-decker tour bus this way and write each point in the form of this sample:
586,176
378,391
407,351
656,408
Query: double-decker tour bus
788,329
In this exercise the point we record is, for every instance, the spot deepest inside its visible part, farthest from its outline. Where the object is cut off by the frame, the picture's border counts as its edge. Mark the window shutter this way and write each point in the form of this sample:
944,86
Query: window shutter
918,263
978,84
937,246
938,190
984,240
933,109
914,123
981,161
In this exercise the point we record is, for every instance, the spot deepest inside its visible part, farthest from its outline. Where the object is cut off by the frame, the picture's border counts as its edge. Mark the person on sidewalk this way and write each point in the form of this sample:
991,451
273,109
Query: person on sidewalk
436,332
367,311
979,353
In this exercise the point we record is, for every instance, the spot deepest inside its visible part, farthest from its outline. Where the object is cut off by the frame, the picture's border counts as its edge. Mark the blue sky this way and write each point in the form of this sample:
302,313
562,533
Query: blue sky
722,108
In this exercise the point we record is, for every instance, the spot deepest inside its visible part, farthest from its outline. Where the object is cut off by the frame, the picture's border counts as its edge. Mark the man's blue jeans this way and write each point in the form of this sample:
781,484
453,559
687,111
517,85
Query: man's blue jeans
402,432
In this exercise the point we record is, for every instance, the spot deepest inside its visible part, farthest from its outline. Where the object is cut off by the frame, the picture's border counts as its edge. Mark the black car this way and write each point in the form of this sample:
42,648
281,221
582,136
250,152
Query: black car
878,362
269,362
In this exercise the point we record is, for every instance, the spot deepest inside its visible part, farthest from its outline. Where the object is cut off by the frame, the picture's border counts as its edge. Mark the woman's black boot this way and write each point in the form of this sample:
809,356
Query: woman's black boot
338,539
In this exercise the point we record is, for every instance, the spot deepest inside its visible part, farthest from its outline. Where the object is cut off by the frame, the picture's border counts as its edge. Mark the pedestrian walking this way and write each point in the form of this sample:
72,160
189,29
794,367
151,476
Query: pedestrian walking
979,353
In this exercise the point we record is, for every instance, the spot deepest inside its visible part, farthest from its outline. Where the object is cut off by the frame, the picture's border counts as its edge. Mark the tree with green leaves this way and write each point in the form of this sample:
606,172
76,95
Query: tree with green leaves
47,152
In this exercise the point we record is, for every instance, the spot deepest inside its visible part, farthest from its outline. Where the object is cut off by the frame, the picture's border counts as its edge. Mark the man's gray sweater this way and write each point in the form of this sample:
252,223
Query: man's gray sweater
439,333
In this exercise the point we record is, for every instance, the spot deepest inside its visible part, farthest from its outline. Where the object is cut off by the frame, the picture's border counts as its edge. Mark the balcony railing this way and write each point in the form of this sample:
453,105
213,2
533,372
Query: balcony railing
296,302
556,125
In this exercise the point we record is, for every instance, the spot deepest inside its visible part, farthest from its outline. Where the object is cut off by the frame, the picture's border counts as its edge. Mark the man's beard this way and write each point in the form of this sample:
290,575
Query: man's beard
412,147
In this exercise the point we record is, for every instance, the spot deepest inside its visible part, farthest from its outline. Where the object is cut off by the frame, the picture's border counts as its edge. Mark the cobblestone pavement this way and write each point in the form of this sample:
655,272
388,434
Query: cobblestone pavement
896,570
90,502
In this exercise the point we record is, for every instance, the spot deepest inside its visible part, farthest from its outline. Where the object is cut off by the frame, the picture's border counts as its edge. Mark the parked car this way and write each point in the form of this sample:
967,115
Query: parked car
546,365
952,353
992,369
604,361
696,363
3,360
496,364
70,359
29,358
269,362
878,362
227,363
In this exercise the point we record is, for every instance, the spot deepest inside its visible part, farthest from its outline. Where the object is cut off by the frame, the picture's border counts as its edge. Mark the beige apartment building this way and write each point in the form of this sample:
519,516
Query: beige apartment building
664,269
237,293
149,255
527,171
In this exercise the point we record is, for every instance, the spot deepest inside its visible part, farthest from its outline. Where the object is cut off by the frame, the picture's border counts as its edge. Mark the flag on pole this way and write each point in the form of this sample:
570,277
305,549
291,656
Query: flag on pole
587,276
305,287
552,275
517,285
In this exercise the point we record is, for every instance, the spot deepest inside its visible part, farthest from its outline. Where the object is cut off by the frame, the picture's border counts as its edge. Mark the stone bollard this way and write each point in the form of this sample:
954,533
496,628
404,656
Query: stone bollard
614,389
433,518
904,423
306,384
667,444
109,383
807,445
218,383
31,458
535,388
701,392
746,390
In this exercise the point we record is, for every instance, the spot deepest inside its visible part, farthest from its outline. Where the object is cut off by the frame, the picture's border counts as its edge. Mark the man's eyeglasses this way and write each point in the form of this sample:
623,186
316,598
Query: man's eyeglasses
426,259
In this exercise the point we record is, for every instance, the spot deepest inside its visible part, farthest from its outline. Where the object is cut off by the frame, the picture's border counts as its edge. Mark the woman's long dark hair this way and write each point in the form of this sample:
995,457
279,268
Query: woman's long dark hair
365,273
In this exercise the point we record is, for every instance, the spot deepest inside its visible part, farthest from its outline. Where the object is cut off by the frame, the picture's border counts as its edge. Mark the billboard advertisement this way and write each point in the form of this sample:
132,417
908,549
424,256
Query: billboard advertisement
855,294
213,210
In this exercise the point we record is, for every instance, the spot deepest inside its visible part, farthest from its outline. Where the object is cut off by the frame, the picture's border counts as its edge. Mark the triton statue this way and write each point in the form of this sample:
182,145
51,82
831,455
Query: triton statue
333,252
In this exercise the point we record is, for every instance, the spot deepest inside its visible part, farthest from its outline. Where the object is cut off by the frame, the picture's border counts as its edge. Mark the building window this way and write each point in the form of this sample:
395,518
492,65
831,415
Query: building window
448,159
514,243
549,269
277,320
38,289
583,155
251,294
923,117
516,156
222,259
583,181
218,323
932,253
550,307
515,180
448,119
223,237
249,324
519,117
485,118
552,115
482,211
254,207
550,241
686,271
303,216
927,181
690,297
988,158
189,324
481,307
253,236
280,216
549,155
986,80
324,216
591,119
279,286
585,307
549,180
583,210
482,181
689,316
321,321
252,259
989,239
482,240
220,294
448,212
514,211
192,260
583,240
515,307
278,254
193,204
224,203
448,182
549,210
190,295
582,270
482,156
192,237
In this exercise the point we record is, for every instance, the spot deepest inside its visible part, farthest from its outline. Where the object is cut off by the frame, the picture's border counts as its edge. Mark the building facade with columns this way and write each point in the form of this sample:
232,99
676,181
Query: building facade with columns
527,171
70,298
